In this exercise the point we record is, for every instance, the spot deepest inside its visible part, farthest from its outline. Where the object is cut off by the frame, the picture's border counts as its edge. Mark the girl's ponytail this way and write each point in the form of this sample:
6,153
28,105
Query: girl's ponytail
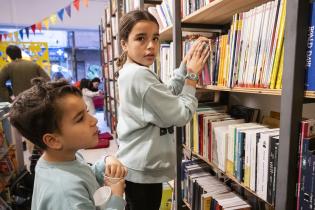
121,60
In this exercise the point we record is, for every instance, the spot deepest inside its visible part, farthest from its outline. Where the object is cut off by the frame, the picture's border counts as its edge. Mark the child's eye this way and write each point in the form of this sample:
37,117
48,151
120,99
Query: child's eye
80,119
140,39
156,39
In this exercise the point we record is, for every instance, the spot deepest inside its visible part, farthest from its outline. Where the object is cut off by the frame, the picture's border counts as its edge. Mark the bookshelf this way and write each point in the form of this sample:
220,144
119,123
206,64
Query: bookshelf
110,51
11,154
292,94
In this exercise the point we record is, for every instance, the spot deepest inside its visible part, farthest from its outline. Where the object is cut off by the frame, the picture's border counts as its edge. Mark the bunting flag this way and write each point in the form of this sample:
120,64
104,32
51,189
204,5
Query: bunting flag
86,3
21,33
5,36
53,19
60,14
16,36
68,10
39,26
33,27
27,31
0,37
46,23
76,4
10,35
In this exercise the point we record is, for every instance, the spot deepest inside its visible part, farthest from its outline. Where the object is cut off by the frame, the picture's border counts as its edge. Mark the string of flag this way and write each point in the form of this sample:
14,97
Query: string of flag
47,22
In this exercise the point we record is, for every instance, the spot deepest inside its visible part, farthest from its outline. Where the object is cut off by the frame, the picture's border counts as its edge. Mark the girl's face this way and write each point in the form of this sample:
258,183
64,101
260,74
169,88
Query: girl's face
143,43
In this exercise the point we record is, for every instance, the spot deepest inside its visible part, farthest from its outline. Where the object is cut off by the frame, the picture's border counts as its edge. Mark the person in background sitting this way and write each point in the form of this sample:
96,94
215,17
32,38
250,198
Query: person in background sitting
95,82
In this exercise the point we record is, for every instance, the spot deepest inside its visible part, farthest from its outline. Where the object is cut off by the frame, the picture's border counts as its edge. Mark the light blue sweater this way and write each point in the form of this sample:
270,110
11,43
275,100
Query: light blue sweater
145,106
69,186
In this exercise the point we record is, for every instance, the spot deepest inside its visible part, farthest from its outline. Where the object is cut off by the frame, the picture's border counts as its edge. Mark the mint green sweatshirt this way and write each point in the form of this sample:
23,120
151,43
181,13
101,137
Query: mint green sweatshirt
70,186
145,106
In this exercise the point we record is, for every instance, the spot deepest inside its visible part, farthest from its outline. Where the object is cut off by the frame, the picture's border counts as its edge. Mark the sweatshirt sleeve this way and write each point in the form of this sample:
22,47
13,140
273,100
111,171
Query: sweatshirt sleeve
89,93
176,83
162,108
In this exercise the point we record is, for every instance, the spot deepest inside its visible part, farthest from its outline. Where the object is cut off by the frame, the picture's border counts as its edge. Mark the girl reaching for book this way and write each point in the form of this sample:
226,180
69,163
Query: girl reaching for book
149,109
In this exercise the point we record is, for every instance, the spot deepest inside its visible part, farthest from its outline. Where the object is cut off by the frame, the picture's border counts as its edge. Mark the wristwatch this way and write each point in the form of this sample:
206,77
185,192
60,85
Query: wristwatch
192,76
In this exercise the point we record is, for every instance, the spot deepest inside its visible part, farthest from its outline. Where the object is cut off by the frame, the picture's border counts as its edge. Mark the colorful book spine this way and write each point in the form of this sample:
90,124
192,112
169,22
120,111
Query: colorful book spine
310,53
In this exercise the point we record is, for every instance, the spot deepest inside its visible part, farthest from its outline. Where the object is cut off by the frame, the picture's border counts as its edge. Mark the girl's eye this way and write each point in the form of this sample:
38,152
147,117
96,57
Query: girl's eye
80,119
156,39
140,38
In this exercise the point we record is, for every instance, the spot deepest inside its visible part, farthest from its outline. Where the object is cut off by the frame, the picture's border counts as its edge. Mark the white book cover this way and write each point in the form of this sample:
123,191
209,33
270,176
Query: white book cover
219,141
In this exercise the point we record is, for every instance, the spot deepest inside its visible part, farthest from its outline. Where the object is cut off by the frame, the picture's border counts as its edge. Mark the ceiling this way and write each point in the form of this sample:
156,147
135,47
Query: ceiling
22,13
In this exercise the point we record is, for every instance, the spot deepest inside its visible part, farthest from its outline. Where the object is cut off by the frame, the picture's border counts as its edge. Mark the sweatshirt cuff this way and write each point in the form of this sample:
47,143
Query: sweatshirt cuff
183,69
116,202
189,89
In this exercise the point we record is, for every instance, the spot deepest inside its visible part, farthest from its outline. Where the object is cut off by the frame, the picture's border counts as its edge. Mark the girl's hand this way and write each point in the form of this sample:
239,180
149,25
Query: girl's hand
197,59
192,49
114,168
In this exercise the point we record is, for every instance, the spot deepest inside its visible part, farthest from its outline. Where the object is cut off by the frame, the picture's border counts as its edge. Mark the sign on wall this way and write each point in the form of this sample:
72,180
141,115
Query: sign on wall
35,51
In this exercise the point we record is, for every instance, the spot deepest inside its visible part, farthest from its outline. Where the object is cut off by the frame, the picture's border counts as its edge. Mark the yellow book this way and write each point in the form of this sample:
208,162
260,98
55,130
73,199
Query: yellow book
279,47
195,133
220,61
279,77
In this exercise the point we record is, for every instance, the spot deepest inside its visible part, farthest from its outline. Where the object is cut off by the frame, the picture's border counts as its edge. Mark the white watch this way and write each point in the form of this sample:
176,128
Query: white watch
192,76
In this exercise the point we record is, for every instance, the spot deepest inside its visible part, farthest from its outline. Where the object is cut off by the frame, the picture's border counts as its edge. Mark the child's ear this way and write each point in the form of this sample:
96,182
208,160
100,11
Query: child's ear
52,141
123,45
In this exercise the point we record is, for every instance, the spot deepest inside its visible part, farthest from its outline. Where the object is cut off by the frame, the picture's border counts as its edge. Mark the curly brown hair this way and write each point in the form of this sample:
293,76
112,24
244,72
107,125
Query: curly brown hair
36,112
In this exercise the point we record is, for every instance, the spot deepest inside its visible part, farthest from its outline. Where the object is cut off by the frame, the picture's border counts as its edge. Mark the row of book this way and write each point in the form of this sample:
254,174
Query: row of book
251,54
203,191
246,151
306,166
163,13
190,6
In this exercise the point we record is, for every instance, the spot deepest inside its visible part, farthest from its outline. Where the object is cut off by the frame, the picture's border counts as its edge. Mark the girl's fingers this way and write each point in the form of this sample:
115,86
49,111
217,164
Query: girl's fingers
205,58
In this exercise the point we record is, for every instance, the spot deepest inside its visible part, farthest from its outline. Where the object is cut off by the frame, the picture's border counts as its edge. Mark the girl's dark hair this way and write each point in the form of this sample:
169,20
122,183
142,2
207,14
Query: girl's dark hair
84,83
36,111
127,22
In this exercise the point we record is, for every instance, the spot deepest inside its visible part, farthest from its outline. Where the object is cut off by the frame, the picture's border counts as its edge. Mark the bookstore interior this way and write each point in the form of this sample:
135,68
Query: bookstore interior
250,143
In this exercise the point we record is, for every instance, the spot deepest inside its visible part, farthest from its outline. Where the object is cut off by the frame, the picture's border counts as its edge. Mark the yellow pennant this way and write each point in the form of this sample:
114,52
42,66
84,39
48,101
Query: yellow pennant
46,23
53,19
16,36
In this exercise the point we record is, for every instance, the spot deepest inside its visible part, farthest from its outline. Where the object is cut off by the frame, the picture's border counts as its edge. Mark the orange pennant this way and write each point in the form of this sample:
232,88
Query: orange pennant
76,4
39,26
46,23
86,3
10,35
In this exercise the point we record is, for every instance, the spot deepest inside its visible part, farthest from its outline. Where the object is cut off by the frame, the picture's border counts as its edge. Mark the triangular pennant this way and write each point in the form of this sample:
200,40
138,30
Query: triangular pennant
86,3
53,19
21,33
27,31
10,35
39,26
16,36
0,37
60,14
76,4
46,23
33,27
5,36
68,10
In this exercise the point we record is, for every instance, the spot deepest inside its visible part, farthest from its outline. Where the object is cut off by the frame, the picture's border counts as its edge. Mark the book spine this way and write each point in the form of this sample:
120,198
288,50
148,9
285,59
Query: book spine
310,53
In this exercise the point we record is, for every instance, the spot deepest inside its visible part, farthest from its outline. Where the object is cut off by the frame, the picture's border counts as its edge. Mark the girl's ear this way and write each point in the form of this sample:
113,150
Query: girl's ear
52,141
123,45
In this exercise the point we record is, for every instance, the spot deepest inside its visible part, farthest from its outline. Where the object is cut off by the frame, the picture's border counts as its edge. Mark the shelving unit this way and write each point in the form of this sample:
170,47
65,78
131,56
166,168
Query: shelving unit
292,95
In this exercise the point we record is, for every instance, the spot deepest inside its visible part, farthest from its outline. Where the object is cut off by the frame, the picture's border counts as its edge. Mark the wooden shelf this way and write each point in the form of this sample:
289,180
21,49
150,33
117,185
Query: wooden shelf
276,92
221,11
166,34
214,167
